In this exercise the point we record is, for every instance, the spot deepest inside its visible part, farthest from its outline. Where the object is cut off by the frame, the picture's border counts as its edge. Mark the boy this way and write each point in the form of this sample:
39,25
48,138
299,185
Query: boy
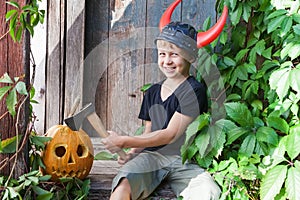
167,109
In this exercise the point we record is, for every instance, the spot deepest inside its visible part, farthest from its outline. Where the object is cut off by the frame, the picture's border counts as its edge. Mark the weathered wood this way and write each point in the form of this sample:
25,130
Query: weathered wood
14,60
73,83
125,75
96,59
103,172
55,63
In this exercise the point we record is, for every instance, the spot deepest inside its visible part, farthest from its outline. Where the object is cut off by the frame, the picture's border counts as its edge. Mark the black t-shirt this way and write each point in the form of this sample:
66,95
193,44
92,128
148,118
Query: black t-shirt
189,99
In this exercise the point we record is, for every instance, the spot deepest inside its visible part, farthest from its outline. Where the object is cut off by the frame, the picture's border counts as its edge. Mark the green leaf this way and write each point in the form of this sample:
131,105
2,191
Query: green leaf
275,23
267,53
268,135
229,62
292,142
13,3
294,51
279,80
285,50
241,54
292,183
278,123
11,102
240,114
9,145
277,13
202,142
235,133
146,87
236,15
272,182
21,88
104,155
248,145
10,14
6,79
294,80
4,90
287,25
296,29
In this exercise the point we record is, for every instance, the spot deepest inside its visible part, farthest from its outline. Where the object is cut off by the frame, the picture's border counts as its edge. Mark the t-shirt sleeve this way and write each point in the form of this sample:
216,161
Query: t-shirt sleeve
144,111
193,102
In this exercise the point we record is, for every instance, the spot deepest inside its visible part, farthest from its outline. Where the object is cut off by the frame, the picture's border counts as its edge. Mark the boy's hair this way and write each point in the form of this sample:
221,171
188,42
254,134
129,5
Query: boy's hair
184,36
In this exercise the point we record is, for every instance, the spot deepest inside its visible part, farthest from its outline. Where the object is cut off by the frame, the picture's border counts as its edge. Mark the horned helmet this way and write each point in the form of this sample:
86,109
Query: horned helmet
185,36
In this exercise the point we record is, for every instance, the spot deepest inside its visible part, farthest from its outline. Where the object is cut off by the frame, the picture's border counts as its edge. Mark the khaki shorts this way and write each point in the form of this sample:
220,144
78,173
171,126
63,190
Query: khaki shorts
147,170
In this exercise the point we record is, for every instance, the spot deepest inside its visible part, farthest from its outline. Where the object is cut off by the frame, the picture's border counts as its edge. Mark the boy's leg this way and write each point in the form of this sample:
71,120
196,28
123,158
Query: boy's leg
122,191
194,180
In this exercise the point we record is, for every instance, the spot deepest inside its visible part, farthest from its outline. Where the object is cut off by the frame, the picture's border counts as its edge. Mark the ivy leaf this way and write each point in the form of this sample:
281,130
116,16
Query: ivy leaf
296,29
292,183
4,90
275,23
9,145
236,15
202,142
21,88
268,135
240,114
14,4
294,82
235,133
278,123
272,182
292,142
6,79
248,145
11,102
279,80
294,51
104,155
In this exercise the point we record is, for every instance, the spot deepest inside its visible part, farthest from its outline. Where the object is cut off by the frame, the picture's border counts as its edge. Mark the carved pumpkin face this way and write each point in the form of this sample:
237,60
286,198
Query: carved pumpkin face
68,154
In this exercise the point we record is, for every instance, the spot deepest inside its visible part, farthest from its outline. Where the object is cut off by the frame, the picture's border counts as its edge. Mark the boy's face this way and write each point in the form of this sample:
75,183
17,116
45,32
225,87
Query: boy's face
170,60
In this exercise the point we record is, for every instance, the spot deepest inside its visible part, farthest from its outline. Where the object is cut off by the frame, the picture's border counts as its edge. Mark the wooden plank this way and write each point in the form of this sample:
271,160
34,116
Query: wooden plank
73,88
155,9
55,60
195,12
124,74
96,59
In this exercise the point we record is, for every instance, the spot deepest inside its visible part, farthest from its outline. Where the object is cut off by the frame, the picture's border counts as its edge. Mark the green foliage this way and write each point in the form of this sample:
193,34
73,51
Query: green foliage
21,18
13,87
35,185
253,150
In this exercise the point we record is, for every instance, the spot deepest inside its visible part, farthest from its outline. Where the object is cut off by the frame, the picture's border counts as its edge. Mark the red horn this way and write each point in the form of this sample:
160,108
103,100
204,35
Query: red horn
204,38
166,17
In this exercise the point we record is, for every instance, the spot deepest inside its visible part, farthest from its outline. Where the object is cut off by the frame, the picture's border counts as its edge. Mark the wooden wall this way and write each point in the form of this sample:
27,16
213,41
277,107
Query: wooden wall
102,51
120,55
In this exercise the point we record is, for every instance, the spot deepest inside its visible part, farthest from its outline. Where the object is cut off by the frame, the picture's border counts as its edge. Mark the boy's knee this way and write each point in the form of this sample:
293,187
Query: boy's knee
202,186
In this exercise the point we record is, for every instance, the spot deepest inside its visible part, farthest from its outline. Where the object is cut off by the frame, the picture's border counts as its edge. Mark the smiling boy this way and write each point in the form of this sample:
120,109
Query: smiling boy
167,109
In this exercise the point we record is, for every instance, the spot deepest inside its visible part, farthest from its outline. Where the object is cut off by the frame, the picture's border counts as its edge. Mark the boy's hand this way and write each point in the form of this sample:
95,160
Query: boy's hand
112,142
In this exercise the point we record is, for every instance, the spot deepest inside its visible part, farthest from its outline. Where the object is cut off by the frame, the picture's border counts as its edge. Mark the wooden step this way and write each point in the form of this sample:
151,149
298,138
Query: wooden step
103,172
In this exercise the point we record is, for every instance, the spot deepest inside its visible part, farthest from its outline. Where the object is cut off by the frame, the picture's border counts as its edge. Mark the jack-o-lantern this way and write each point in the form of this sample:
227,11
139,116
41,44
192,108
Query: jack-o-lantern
68,154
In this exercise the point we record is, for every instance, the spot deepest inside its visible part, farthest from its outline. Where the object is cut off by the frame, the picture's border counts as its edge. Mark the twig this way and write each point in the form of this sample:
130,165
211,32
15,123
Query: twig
2,116
4,35
17,140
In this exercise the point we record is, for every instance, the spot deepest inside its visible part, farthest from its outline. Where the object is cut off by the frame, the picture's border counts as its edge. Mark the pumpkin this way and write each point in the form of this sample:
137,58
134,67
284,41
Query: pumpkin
68,154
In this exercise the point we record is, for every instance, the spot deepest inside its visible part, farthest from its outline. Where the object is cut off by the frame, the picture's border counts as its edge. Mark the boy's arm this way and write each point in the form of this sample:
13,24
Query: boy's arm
147,130
175,129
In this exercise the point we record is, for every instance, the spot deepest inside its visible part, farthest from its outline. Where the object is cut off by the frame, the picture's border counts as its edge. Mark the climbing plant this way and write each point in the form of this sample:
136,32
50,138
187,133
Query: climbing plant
14,92
253,151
